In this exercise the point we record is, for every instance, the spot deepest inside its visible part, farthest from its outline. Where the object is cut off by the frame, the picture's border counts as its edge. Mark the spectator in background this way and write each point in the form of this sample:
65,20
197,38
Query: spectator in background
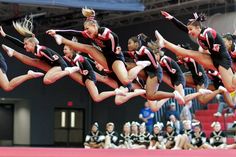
171,110
217,137
95,139
222,106
147,115
125,136
176,123
186,113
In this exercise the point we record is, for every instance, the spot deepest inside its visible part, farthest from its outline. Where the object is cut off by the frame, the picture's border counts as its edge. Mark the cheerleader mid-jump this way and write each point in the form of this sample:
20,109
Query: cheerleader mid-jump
210,40
47,59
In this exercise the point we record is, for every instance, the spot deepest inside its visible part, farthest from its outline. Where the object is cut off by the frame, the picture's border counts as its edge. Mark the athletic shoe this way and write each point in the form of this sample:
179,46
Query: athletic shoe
179,98
58,39
217,114
119,92
35,74
9,50
143,63
72,69
160,39
223,89
205,91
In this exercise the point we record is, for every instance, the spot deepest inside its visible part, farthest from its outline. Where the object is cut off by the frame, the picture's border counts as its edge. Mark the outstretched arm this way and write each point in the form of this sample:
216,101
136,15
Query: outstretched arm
176,22
14,40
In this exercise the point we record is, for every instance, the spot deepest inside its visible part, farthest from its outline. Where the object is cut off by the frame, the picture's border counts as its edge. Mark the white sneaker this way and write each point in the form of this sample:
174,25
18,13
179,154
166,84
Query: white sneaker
35,74
9,50
58,39
217,114
205,91
223,89
143,63
179,98
119,92
72,69
160,39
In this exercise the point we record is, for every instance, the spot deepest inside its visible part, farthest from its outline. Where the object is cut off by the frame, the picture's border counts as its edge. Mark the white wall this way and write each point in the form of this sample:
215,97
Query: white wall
21,123
223,23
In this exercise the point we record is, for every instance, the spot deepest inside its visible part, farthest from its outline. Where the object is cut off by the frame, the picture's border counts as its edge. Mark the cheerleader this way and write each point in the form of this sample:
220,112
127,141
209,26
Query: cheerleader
157,137
230,43
111,136
186,135
197,78
217,137
88,75
153,71
46,57
7,85
95,139
199,140
210,40
170,136
143,137
104,48
125,137
216,80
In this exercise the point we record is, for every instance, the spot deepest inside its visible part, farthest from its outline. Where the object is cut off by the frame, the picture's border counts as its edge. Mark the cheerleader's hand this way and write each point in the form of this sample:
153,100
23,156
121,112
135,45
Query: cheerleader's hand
118,50
51,32
2,32
167,15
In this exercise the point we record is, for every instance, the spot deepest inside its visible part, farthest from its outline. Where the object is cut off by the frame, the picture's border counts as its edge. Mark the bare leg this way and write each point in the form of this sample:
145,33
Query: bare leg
151,90
54,74
96,96
89,49
156,105
34,62
77,77
202,58
7,85
119,99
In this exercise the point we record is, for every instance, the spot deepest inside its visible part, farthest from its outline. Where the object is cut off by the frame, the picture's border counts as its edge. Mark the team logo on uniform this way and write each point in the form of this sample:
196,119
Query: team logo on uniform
55,57
216,47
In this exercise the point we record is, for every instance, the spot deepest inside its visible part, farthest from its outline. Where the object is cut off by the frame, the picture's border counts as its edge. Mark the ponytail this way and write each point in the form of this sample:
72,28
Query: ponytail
198,19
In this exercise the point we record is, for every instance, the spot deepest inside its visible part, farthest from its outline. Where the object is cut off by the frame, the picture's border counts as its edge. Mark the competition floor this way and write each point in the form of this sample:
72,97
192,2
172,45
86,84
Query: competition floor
80,152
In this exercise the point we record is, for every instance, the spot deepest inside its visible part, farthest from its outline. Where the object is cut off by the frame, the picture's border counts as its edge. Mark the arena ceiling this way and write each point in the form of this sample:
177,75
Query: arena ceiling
114,13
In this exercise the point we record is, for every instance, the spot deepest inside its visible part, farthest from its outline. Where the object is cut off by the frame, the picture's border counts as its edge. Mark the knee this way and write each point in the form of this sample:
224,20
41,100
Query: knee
125,82
7,88
47,81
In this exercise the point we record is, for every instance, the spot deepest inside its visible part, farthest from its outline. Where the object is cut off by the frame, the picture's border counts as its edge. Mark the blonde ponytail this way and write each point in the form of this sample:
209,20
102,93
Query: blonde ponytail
88,13
24,27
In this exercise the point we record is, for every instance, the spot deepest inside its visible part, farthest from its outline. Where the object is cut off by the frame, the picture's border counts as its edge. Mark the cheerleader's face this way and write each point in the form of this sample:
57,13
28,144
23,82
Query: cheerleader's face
94,128
91,30
29,46
132,46
126,129
217,128
228,44
68,52
194,31
169,129
187,126
197,129
156,130
110,128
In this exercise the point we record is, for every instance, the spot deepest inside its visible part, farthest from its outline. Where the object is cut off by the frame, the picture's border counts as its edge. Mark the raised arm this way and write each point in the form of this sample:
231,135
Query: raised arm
176,22
69,32
14,40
